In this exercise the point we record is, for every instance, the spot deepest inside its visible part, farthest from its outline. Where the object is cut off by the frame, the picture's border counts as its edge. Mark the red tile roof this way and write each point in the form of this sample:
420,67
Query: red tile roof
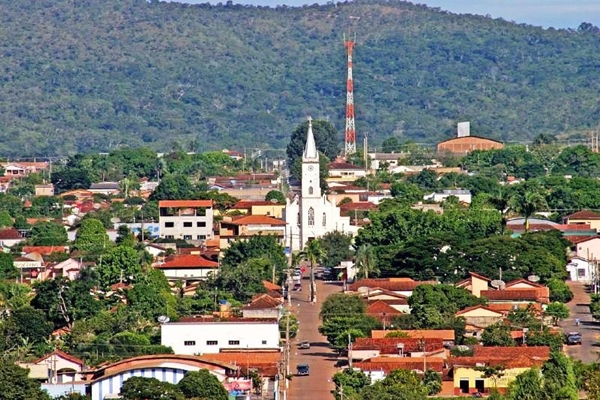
505,308
443,334
542,352
392,284
188,261
388,364
61,354
521,280
265,363
9,234
512,294
45,250
248,204
185,203
390,345
519,361
255,220
343,165
262,302
575,239
379,308
271,286
584,214
358,206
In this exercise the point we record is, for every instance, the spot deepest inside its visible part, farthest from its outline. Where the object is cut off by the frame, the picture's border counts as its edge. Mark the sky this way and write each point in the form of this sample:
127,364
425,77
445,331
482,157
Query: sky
546,13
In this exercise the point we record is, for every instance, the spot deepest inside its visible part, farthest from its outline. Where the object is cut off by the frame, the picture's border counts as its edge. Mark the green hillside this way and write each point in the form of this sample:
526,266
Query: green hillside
90,75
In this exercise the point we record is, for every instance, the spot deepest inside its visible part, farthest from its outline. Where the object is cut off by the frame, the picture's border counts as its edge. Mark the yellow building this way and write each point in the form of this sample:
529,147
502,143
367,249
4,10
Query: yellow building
475,284
468,372
481,316
268,208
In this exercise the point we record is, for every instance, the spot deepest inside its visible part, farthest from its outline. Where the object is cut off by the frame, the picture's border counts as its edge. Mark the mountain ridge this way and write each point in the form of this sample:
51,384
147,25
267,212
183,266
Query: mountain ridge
93,75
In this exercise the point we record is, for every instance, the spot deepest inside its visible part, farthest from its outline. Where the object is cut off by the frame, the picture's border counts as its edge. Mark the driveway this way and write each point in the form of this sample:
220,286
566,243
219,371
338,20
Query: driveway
579,307
320,357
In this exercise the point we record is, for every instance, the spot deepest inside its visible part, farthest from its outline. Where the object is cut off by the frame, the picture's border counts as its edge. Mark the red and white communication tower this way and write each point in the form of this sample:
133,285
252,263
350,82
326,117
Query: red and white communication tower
350,137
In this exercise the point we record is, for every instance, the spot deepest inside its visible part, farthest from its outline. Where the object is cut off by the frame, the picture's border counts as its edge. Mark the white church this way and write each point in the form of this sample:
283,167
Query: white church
311,215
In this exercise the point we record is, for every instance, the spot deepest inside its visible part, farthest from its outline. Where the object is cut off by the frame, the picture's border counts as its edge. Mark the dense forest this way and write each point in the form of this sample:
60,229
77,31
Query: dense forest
92,75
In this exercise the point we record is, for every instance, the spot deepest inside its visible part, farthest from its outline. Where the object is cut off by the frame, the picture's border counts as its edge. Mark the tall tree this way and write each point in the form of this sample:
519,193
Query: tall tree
16,384
202,385
91,238
137,388
313,253
48,233
527,203
365,261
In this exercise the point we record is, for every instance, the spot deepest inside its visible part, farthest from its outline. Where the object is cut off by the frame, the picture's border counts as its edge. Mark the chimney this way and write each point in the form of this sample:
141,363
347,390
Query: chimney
463,129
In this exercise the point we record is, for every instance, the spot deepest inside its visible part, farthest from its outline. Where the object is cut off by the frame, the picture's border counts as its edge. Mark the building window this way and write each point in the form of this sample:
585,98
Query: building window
324,219
189,343
201,224
212,342
264,342
310,190
187,237
169,237
234,342
169,224
298,219
581,273
187,224
201,237
311,216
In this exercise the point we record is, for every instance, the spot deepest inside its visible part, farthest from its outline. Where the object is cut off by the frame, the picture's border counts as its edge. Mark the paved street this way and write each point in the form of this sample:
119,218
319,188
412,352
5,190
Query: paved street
320,357
590,331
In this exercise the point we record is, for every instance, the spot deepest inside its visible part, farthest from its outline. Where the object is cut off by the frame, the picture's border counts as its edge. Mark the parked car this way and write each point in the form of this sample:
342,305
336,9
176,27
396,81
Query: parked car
304,345
302,369
573,338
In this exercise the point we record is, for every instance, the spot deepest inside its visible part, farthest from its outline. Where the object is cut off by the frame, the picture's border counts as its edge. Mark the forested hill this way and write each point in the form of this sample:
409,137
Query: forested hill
89,75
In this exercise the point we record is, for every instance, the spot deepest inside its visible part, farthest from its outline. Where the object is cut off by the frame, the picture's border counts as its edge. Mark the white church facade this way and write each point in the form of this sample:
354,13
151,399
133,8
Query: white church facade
311,215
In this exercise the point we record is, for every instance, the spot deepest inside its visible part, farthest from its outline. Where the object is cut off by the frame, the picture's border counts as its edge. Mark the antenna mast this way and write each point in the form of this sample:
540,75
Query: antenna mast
350,137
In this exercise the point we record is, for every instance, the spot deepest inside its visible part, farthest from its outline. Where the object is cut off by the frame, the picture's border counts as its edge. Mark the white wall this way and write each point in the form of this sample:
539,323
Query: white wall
580,270
249,335
188,273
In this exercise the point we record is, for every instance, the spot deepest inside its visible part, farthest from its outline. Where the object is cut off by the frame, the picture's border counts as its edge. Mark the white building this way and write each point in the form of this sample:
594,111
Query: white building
462,195
581,270
311,215
186,219
212,335
188,268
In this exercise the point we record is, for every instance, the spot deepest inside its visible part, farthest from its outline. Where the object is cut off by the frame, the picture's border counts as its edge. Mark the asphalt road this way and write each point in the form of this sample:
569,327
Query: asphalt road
320,357
590,330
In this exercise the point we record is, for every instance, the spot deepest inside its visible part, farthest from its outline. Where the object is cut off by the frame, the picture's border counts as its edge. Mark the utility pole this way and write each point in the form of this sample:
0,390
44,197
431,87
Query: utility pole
287,353
349,351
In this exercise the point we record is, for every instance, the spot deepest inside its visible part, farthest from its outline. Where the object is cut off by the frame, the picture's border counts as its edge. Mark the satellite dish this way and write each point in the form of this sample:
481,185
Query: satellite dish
163,319
498,284
533,278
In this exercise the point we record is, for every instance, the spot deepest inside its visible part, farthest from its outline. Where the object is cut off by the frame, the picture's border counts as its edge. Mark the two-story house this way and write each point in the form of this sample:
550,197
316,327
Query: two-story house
186,219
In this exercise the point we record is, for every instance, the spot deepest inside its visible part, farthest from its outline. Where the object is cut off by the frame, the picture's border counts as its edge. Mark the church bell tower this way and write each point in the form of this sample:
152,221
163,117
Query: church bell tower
311,185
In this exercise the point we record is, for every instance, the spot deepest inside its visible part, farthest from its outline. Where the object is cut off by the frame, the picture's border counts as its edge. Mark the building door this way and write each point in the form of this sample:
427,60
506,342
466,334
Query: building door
480,385
464,386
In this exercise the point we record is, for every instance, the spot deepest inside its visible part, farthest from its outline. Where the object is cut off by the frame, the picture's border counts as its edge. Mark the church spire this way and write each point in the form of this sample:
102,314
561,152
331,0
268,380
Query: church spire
310,150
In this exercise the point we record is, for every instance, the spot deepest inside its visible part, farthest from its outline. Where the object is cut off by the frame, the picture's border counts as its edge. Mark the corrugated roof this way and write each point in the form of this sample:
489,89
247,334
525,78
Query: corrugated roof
514,294
185,203
343,165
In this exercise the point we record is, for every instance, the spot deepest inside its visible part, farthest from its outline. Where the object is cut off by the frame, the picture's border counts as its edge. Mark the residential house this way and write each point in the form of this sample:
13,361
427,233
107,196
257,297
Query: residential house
446,335
385,159
106,188
61,367
480,316
245,226
106,380
367,348
263,306
207,334
463,196
383,312
10,236
581,270
515,296
386,365
344,172
397,301
30,269
403,286
69,268
269,208
44,190
188,268
468,375
584,217
589,249
234,155
475,284
186,219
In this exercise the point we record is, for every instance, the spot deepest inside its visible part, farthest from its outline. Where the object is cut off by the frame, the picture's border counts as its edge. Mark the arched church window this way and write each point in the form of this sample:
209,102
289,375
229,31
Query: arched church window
324,219
311,216
310,190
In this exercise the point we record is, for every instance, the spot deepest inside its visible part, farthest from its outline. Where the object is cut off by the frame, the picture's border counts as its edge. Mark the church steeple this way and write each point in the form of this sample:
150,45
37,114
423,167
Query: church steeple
310,149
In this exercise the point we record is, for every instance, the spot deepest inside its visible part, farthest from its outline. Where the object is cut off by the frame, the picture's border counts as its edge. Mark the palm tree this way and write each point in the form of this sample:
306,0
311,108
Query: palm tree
313,253
365,261
502,201
527,204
